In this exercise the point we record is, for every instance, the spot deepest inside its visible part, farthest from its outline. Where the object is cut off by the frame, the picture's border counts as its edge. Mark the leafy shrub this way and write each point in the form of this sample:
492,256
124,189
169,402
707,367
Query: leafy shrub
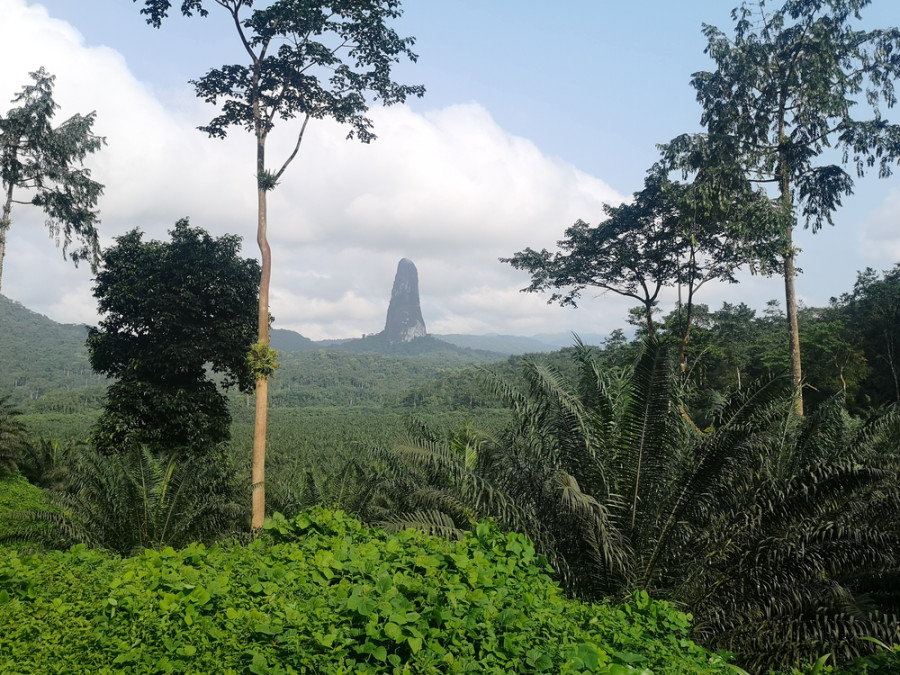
322,593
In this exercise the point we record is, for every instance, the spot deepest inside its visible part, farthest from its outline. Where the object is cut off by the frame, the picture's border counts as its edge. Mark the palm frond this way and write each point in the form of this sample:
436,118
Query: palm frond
12,436
129,502
717,454
435,523
647,439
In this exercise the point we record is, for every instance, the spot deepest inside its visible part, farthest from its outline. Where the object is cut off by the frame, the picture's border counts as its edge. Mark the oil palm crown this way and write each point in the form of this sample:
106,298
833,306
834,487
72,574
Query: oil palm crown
135,500
773,530
12,436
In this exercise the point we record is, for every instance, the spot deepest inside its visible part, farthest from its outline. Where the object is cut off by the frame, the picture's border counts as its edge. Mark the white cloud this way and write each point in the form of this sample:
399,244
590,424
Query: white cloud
448,189
880,233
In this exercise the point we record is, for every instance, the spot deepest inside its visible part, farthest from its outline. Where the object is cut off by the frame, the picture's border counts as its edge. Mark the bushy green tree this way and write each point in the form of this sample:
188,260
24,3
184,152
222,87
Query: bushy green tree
174,314
671,234
871,312
46,163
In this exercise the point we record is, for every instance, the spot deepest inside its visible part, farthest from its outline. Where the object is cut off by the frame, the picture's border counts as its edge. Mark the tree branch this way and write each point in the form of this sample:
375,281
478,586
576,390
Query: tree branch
296,148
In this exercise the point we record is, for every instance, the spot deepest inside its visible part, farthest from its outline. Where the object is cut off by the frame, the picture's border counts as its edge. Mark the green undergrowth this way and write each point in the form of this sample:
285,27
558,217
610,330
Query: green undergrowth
324,594
17,494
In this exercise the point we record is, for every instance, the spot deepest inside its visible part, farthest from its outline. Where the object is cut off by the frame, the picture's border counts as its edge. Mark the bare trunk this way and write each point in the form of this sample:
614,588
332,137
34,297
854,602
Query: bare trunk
4,225
682,354
258,469
790,295
889,344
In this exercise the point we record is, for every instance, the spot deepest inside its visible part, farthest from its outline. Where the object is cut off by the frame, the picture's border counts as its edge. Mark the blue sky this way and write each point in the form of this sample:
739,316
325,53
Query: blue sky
535,114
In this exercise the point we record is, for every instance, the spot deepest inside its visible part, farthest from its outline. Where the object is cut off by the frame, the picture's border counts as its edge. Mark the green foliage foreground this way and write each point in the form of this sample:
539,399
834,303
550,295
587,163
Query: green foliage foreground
322,593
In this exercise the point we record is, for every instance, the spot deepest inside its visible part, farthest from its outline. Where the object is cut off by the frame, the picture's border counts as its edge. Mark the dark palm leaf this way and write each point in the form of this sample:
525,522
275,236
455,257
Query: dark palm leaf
12,436
649,435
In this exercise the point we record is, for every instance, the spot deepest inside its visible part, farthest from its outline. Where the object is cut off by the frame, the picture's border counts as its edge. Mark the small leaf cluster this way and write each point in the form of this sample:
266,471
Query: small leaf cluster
323,593
262,360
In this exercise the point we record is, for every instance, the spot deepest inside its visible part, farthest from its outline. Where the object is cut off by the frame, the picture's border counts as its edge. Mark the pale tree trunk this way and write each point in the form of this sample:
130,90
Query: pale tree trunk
682,353
891,361
794,328
790,296
258,469
4,226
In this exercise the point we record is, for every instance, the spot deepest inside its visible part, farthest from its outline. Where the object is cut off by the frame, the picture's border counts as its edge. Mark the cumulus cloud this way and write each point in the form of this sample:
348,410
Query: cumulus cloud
448,188
880,233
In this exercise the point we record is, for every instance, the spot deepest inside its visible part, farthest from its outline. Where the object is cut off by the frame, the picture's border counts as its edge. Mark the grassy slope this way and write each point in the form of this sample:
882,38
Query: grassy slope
38,355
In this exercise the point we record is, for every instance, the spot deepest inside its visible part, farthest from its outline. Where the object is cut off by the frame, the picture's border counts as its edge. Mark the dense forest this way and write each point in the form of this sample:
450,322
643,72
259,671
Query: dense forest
425,440
186,488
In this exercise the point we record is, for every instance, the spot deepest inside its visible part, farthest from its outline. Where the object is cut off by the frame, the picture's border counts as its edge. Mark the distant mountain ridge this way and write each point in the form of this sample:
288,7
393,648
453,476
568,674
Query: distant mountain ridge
379,343
44,365
39,355
509,345
497,346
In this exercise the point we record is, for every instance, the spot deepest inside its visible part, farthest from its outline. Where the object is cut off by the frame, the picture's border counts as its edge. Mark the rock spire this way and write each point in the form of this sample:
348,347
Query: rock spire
404,317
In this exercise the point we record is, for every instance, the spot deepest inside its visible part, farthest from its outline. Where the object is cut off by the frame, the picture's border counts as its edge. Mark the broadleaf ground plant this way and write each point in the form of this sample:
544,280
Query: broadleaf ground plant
322,593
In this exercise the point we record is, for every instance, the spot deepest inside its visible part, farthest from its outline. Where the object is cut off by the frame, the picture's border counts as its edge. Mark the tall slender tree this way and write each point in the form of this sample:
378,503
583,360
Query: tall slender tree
798,94
46,163
306,59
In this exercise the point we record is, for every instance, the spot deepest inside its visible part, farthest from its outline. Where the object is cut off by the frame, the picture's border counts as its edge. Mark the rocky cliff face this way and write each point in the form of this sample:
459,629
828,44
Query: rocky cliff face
404,316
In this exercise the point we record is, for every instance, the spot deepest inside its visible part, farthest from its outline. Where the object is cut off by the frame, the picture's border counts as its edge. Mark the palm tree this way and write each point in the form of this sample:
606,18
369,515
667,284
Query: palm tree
772,530
336,483
12,436
801,551
134,500
45,462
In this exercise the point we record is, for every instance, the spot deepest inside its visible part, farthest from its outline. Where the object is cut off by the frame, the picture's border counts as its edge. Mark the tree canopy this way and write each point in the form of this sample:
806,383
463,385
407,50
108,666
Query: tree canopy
871,315
46,162
668,235
173,312
798,93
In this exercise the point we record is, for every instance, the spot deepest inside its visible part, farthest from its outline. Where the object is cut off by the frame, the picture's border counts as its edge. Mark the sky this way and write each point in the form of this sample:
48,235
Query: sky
535,115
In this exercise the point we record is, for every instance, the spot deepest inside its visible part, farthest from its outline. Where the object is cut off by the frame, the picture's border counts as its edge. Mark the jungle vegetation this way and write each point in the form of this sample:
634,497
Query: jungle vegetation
681,498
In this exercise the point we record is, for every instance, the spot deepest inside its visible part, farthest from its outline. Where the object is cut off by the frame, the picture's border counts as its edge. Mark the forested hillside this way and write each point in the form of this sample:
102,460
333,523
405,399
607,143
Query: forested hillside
39,356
